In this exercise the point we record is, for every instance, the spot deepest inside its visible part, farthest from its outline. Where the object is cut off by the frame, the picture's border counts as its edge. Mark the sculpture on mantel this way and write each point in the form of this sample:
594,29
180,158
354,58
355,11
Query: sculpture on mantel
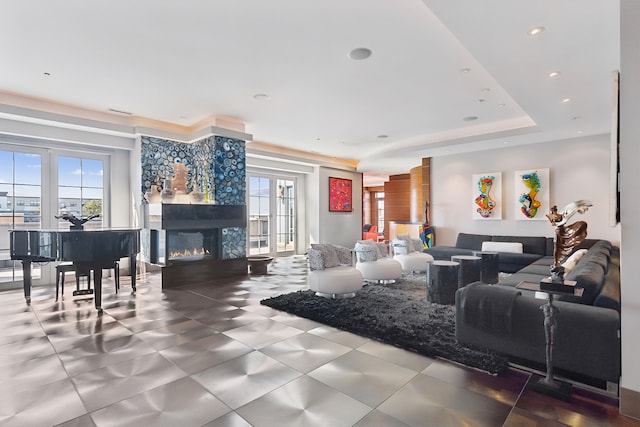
567,236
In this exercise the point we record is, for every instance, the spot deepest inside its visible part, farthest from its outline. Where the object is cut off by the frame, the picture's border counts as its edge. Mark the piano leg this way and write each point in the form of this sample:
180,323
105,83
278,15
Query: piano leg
26,279
97,283
132,272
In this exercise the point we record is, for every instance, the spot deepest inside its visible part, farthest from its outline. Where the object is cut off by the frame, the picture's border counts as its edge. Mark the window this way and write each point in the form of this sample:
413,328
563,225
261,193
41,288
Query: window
379,204
81,189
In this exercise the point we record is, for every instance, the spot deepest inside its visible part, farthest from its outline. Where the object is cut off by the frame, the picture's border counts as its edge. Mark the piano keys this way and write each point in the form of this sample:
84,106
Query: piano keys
87,249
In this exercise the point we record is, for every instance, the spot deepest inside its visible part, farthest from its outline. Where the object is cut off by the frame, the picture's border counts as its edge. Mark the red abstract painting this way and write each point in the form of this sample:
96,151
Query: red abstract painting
340,195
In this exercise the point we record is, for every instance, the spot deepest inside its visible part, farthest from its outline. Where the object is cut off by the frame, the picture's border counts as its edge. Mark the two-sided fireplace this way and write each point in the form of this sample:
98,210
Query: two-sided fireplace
188,243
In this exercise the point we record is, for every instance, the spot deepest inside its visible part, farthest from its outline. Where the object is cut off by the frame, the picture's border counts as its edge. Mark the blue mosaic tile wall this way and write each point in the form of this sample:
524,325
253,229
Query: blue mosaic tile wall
216,164
229,171
234,241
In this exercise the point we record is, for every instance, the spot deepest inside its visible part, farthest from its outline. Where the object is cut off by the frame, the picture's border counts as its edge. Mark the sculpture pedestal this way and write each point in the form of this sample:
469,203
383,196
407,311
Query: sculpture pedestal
548,385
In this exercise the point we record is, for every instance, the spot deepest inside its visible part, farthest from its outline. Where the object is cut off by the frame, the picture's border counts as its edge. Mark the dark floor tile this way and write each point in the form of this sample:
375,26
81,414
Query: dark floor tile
505,387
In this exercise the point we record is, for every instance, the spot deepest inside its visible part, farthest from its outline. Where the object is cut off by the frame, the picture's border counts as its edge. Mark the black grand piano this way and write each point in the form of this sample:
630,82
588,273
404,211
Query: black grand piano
87,249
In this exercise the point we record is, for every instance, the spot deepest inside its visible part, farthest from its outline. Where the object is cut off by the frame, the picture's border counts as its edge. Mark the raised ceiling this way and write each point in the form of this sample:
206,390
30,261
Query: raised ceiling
283,69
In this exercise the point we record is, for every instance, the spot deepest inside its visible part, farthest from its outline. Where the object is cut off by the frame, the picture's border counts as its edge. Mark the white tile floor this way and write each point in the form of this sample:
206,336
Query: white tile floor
212,355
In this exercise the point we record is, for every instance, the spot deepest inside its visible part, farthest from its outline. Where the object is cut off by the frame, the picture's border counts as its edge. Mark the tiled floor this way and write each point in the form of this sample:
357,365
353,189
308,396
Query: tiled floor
212,355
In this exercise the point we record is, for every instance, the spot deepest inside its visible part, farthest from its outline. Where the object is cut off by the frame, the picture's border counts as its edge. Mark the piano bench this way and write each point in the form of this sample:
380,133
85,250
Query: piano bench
61,270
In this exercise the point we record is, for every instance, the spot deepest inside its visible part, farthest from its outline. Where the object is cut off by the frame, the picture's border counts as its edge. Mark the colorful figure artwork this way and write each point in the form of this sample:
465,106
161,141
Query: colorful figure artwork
530,205
484,201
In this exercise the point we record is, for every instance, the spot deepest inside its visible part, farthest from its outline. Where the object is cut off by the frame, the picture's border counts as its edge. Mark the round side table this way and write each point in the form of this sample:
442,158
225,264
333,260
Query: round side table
490,270
469,271
442,282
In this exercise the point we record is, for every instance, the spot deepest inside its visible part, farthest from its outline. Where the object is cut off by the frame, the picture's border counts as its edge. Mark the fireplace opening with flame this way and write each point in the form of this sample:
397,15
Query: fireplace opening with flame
191,245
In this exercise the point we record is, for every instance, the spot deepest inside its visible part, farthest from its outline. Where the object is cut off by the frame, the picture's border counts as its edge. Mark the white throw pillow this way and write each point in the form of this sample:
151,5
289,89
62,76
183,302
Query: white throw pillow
511,247
399,247
570,263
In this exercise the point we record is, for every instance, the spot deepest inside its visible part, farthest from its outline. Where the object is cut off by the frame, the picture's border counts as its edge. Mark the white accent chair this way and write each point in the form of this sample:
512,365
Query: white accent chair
411,259
335,282
374,263
331,272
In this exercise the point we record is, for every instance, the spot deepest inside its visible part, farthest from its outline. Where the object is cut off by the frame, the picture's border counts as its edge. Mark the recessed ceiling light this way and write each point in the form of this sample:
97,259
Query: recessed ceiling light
554,74
465,70
485,90
564,101
576,117
383,136
580,131
360,53
47,74
505,142
502,105
470,118
481,100
535,31
261,97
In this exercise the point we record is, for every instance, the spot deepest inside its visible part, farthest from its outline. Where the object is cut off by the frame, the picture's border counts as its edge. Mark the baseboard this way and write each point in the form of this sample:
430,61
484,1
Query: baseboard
630,403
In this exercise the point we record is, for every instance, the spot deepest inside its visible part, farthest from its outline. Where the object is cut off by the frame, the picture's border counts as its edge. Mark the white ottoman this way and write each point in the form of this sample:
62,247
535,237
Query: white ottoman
414,261
335,282
384,269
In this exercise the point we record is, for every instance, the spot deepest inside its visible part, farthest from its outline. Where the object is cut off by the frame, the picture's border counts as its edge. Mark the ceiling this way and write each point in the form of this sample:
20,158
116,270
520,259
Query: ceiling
283,69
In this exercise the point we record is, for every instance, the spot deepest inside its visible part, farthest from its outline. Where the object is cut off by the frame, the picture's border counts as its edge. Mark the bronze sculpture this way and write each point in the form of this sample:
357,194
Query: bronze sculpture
76,223
567,236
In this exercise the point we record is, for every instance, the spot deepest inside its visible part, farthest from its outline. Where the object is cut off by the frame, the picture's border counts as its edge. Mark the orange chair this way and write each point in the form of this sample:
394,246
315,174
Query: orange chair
371,233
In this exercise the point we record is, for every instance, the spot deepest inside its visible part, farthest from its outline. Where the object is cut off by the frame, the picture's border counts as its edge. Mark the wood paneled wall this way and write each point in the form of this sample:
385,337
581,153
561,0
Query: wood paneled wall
404,196
397,204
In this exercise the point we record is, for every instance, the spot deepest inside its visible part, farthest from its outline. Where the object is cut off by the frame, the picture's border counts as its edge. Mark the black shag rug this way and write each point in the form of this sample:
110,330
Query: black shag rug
397,314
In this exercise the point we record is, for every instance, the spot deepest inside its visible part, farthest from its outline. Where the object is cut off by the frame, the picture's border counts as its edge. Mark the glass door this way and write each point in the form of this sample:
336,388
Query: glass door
272,215
285,217
21,207
259,234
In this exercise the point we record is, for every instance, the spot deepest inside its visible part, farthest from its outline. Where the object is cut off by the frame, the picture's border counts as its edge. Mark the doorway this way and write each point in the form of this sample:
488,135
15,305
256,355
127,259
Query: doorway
272,215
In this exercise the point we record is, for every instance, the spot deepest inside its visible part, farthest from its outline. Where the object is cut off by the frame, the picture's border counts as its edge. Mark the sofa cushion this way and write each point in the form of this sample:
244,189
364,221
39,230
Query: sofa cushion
329,254
417,245
530,245
590,276
546,260
444,253
344,254
571,262
516,278
379,248
316,261
541,270
471,241
366,252
382,250
511,247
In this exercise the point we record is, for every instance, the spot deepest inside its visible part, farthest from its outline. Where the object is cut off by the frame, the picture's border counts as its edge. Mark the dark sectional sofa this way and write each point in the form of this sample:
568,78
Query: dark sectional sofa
533,248
510,321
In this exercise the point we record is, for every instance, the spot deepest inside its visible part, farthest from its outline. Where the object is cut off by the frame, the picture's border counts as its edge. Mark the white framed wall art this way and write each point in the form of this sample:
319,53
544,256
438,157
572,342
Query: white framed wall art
531,196
486,196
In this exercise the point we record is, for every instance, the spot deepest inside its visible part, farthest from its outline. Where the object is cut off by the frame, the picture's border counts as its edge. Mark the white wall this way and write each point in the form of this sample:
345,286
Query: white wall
578,169
340,228
630,204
